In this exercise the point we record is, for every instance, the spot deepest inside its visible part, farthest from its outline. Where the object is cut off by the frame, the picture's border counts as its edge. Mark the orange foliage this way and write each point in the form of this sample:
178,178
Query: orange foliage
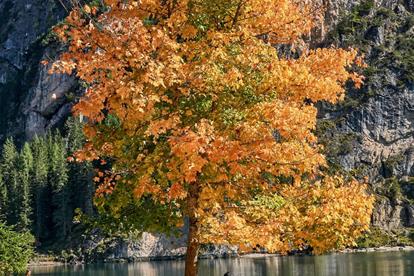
192,92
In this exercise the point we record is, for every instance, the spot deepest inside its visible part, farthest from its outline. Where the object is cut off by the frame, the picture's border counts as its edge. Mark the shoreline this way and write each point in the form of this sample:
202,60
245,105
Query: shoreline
50,262
378,249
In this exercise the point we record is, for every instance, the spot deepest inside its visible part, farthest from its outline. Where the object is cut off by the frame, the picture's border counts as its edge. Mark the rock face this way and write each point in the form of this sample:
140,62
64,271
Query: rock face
96,247
391,216
26,90
385,126
374,127
335,10
149,246
46,104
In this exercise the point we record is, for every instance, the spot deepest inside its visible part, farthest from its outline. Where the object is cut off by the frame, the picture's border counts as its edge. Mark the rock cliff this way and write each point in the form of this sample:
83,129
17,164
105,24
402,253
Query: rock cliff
31,100
371,133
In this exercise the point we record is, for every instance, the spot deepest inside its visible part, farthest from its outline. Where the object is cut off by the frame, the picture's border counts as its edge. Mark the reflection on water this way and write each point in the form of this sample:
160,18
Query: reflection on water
369,264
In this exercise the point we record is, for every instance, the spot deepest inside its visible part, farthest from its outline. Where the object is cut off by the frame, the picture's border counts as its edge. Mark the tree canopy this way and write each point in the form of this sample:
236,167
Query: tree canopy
199,114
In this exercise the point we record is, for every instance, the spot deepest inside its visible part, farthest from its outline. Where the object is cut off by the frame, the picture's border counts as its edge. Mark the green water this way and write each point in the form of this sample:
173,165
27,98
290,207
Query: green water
371,264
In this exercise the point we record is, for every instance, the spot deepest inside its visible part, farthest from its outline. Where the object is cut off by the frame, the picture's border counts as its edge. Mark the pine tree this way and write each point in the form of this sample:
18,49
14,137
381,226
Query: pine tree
16,250
58,180
10,179
39,187
25,168
3,196
74,134
80,173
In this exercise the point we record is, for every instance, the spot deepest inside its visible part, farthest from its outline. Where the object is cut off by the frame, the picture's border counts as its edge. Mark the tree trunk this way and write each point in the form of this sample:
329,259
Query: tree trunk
192,250
192,243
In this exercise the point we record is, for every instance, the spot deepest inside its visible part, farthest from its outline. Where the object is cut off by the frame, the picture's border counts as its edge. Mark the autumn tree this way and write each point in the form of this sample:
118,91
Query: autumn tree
201,118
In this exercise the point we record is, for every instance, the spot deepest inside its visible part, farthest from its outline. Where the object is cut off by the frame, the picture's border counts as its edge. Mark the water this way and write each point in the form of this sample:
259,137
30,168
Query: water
353,264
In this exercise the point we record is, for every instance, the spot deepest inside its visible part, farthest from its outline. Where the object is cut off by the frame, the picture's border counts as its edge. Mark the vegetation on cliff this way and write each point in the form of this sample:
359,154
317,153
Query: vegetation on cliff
385,35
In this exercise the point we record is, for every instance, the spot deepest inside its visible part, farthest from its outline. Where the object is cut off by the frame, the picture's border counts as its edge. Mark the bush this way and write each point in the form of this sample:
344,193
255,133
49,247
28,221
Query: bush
16,249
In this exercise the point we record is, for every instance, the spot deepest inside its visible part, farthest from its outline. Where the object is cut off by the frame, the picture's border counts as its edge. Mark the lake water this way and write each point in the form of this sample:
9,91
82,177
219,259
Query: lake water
399,263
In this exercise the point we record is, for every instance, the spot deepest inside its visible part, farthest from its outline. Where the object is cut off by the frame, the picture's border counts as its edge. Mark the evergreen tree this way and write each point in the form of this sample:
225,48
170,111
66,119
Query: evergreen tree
58,180
10,180
3,196
74,134
39,187
80,174
25,171
16,249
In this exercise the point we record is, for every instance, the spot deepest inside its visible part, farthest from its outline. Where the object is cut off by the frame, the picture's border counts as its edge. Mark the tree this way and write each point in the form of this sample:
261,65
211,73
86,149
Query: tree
58,180
3,196
200,116
15,250
25,168
74,134
80,173
10,179
39,186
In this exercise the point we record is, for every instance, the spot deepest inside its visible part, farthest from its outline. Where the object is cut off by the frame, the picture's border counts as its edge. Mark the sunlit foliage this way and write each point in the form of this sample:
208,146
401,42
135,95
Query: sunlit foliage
197,112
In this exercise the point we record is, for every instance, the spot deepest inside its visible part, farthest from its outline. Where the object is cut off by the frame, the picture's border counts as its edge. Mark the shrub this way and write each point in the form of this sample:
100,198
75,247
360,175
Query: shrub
15,250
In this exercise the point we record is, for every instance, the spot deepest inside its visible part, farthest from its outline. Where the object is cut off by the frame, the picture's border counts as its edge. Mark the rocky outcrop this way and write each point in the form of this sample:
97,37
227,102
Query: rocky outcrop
335,10
26,90
389,215
372,133
148,246
385,131
97,247
48,101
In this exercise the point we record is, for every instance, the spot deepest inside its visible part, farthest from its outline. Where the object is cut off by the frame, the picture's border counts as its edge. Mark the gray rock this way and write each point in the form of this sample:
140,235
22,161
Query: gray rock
148,247
22,26
410,216
385,125
388,215
409,4
46,103
375,34
382,124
